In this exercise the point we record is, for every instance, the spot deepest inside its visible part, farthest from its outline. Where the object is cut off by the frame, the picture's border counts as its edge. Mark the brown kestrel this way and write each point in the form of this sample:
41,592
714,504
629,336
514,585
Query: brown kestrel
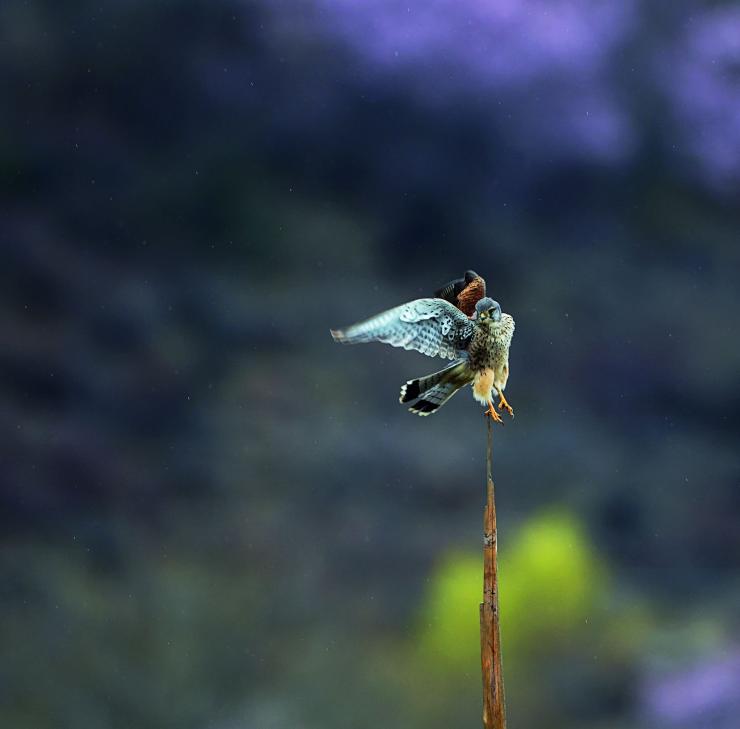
461,323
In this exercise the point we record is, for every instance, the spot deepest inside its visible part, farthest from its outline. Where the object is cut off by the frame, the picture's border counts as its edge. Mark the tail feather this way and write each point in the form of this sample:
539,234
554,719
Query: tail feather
433,399
433,391
413,388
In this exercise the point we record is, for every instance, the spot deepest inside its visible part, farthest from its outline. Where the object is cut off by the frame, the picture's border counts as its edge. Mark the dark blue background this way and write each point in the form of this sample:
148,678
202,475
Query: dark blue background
212,515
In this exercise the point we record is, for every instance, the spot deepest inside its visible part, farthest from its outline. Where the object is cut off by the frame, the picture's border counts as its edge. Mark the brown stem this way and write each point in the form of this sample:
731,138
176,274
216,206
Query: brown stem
494,707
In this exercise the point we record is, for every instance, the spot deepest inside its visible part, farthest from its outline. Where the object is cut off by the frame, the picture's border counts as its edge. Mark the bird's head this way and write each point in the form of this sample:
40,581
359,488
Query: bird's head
487,310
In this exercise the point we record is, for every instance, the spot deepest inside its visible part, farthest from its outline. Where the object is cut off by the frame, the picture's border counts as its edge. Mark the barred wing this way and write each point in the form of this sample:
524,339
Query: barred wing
507,330
431,326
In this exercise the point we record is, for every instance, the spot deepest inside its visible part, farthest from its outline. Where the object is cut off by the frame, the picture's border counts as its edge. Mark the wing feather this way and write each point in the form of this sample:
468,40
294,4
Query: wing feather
431,326
507,329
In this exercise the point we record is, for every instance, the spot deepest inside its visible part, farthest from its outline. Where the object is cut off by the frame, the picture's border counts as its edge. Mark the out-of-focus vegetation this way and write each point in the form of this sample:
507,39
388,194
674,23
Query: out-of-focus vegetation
550,585
558,606
212,516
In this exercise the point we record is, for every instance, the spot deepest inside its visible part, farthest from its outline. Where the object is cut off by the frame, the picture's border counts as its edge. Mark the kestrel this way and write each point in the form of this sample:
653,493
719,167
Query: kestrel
479,344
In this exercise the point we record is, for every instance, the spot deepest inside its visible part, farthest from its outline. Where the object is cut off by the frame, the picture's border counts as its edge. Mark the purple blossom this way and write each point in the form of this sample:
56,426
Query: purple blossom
709,692
491,42
536,67
702,78
554,79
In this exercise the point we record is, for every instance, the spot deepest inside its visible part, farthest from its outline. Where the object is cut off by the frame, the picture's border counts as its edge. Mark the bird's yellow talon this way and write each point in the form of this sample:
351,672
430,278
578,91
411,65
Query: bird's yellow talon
503,405
492,412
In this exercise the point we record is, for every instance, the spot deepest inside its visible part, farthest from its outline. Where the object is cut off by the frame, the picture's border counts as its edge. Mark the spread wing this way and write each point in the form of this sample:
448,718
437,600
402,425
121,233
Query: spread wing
464,292
506,331
431,326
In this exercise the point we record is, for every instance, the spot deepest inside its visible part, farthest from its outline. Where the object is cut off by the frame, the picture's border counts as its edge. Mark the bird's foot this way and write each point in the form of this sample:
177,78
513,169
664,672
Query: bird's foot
503,405
492,412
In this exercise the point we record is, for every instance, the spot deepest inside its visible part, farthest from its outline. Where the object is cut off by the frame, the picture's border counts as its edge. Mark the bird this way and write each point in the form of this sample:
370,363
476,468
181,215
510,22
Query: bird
479,343
464,292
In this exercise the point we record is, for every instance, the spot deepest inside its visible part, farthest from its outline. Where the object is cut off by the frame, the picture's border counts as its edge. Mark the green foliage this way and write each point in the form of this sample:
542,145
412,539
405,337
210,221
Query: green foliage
179,630
449,638
549,582
559,616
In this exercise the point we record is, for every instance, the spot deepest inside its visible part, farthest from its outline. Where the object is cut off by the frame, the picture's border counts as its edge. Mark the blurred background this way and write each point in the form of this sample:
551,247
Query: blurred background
213,516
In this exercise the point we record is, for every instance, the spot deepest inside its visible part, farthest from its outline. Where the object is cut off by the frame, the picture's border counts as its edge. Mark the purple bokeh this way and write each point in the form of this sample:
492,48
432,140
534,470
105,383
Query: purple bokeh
702,77
554,79
706,695
492,42
536,67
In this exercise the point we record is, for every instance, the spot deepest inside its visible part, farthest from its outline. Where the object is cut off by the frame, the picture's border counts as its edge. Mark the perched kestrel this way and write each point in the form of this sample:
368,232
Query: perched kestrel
437,327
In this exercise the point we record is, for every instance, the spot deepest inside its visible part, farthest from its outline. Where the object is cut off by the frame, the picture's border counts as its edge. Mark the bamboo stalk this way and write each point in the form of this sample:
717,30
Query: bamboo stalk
494,705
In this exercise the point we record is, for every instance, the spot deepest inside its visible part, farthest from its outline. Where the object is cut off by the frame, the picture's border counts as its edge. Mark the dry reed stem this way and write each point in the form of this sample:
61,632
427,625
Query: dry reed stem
494,705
